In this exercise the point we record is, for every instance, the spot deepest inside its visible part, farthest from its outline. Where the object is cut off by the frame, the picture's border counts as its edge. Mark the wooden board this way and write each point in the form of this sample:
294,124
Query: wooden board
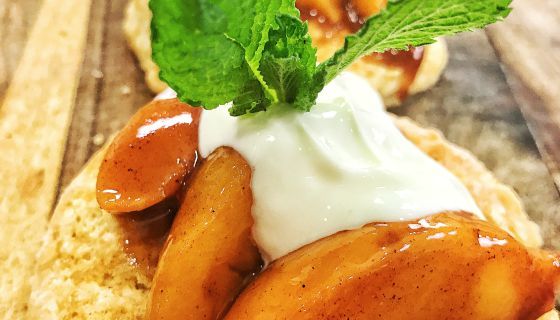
475,104
111,87
34,117
533,70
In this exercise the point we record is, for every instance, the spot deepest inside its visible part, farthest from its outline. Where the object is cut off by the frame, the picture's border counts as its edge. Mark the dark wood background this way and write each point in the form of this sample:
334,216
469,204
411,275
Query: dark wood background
506,114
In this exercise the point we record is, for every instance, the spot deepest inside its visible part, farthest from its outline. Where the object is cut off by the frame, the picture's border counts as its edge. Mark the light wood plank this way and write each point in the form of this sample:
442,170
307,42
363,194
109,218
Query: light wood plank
111,87
124,90
16,19
91,81
34,118
528,42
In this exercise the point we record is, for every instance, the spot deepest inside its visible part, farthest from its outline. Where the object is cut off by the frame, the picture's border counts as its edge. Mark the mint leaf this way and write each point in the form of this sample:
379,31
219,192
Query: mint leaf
414,23
290,63
196,59
210,51
252,100
257,52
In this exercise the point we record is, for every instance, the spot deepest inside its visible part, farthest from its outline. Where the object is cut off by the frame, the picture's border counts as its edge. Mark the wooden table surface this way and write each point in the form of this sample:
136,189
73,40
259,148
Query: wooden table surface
479,104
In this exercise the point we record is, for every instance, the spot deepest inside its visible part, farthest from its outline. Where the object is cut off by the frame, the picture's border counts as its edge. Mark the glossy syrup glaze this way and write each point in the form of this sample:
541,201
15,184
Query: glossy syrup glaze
446,266
338,18
475,269
144,233
149,159
209,255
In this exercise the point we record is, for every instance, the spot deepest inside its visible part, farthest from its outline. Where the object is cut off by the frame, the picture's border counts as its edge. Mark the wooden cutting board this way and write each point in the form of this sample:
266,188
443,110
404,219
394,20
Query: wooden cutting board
68,81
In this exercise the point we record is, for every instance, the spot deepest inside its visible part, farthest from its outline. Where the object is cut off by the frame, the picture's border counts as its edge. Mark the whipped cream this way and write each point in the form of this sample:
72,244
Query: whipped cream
338,167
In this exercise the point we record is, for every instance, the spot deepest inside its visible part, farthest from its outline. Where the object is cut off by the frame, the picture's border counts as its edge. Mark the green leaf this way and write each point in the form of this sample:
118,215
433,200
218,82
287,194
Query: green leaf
195,57
414,23
255,53
252,100
289,62
210,51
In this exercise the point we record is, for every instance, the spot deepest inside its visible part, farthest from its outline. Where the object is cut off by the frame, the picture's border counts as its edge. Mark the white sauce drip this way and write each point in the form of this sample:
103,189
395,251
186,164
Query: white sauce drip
338,167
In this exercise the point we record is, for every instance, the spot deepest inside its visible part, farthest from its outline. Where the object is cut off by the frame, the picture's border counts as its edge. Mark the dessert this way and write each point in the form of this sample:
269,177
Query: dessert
292,194
84,270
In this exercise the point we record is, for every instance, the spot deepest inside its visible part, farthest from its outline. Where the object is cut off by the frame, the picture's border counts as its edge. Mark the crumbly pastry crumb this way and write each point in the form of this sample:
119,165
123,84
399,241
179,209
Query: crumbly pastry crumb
82,272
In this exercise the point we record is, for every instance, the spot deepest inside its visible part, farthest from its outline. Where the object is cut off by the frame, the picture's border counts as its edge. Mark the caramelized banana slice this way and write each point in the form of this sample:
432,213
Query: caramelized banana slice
149,159
448,266
209,254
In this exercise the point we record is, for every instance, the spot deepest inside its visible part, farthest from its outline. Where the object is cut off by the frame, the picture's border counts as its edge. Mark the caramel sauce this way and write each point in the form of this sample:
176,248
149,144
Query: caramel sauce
210,253
450,265
348,16
149,159
408,61
145,232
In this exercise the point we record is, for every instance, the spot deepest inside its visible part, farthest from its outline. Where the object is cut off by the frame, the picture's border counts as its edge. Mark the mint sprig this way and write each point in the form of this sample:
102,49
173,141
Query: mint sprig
258,52
414,23
211,51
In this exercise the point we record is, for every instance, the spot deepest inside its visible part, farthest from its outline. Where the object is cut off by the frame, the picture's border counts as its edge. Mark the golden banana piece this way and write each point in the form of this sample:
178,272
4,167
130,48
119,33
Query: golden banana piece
150,157
447,266
209,254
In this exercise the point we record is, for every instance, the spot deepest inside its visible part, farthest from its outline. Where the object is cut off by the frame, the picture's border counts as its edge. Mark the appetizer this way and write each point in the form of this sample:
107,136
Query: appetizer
265,185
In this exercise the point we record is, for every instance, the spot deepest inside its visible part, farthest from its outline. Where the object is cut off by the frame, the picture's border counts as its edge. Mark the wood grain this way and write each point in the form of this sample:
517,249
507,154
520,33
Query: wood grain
124,90
111,87
528,43
34,118
16,19
87,98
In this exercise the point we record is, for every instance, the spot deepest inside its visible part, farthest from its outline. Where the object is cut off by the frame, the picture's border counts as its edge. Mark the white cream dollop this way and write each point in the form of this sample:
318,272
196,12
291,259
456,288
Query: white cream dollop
338,167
